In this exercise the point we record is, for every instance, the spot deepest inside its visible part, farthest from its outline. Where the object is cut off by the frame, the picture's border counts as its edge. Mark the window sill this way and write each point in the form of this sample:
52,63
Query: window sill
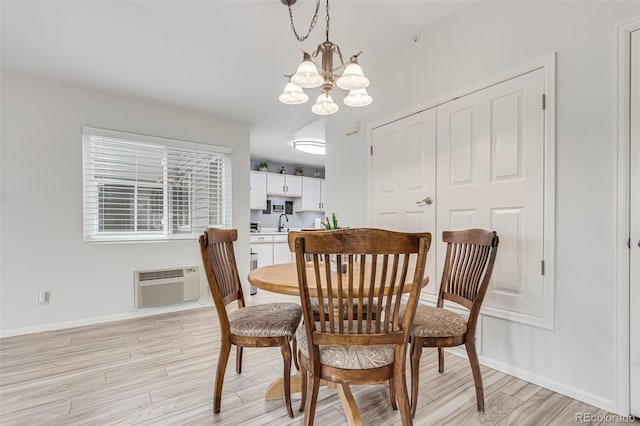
140,239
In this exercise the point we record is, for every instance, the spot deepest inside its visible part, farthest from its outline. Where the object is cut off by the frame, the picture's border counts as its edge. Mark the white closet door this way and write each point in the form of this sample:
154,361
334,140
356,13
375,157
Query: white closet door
403,179
635,225
490,175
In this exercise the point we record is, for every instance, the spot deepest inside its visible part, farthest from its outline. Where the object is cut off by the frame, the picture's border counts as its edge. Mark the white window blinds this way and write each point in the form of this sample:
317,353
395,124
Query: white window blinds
139,187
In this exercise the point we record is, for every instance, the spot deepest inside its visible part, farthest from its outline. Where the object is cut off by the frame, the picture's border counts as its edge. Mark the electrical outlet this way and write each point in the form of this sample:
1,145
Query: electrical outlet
43,297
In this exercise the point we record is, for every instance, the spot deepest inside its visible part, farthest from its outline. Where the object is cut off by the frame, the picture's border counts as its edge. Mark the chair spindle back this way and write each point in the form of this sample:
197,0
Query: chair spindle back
216,246
358,277
469,262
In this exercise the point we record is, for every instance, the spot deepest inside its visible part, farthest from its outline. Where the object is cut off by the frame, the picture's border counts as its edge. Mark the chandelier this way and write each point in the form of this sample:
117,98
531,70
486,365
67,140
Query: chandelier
310,75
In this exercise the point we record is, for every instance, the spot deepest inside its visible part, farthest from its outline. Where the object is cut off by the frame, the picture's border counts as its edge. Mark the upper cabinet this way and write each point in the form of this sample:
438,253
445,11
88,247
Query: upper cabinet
312,195
284,185
307,191
258,191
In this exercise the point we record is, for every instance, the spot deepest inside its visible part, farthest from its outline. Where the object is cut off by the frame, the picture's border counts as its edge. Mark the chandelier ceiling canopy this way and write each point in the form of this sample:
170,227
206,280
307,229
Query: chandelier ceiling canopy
348,75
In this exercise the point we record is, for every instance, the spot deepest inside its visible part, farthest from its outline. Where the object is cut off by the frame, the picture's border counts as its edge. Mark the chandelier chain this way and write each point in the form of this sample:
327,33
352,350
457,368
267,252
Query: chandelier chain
327,20
311,25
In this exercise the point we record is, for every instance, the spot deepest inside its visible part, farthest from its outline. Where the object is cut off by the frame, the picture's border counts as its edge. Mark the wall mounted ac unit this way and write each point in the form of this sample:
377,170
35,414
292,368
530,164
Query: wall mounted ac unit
166,286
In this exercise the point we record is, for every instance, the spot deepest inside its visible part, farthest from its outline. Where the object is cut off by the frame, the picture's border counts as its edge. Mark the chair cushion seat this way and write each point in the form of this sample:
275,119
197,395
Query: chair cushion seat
267,320
348,357
431,321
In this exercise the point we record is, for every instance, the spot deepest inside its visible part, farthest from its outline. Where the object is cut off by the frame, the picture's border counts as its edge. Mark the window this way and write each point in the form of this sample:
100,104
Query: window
146,188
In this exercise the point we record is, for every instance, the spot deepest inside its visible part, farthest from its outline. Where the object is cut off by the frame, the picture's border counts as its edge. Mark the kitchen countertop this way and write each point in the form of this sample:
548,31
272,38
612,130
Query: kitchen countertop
270,233
274,231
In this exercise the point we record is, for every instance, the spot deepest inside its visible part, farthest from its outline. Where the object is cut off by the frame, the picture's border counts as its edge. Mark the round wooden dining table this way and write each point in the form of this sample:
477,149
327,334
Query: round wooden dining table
283,279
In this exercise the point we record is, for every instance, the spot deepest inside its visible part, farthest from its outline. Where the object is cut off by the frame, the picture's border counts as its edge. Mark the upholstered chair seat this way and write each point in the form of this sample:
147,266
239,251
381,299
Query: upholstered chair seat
437,322
268,320
348,357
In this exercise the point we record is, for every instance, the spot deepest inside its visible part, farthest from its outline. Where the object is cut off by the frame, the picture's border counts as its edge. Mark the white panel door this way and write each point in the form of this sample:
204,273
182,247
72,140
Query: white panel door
490,175
635,225
403,178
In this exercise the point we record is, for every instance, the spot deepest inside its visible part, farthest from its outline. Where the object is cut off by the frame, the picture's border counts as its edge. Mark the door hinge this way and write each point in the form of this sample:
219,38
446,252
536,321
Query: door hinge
544,101
629,243
371,150
542,267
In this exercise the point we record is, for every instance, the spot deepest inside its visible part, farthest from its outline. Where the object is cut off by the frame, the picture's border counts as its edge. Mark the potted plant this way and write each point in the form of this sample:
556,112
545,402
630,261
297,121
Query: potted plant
263,167
299,170
331,224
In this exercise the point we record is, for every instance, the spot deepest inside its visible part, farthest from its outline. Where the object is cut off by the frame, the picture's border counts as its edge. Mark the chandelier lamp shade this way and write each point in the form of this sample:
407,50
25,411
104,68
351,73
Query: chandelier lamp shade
293,95
309,75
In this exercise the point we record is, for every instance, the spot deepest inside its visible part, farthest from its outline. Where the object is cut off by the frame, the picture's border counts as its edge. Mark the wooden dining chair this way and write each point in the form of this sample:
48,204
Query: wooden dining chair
351,346
468,265
255,326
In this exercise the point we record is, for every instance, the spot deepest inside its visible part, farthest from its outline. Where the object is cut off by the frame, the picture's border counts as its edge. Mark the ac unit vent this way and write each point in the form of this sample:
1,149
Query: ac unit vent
158,275
166,286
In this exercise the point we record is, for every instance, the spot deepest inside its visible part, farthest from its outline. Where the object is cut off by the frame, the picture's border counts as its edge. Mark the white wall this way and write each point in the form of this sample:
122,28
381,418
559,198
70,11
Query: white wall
578,357
42,243
346,167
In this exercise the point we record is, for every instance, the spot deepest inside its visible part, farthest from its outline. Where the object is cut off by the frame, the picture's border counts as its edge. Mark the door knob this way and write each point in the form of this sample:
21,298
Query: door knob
428,201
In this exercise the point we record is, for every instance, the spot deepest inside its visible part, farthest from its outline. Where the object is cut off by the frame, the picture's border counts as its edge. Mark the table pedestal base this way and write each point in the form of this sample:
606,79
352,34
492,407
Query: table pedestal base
276,391
276,388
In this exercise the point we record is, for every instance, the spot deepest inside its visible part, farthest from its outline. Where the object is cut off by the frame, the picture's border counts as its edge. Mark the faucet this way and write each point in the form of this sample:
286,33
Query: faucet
280,226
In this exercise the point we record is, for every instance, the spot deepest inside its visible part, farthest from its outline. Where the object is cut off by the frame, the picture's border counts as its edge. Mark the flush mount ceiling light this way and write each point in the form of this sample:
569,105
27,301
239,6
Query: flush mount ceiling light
310,147
310,75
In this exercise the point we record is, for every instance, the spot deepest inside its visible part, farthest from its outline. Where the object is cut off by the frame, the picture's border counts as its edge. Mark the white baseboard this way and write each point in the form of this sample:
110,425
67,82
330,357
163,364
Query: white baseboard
143,312
545,382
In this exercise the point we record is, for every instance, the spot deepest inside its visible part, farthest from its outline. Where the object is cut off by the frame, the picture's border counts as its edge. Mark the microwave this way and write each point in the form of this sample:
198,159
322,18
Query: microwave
277,208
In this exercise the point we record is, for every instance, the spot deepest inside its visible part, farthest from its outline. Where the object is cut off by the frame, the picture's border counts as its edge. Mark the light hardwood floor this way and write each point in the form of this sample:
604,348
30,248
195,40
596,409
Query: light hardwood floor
159,371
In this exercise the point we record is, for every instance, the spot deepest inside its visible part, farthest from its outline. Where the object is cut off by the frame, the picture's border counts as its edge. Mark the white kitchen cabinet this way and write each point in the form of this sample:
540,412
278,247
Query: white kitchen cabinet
271,249
294,186
281,252
258,191
312,196
263,246
284,185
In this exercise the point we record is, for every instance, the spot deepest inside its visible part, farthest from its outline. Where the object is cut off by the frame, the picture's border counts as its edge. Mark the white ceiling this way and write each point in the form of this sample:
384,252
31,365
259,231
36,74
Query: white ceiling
221,57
